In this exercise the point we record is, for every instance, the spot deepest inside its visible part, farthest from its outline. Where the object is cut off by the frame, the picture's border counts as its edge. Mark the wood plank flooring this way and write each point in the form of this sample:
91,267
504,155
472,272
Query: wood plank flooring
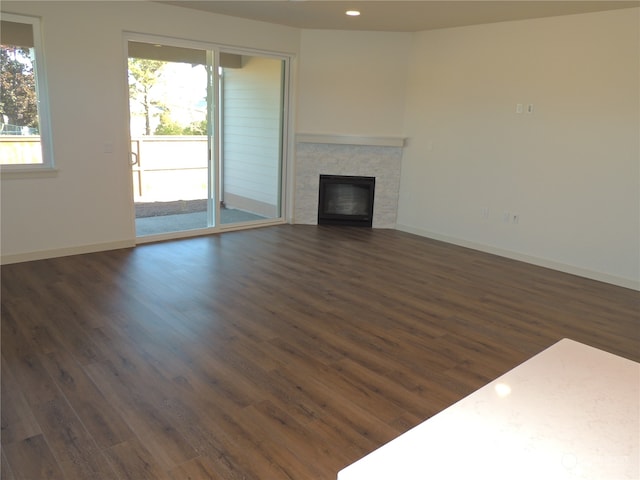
285,352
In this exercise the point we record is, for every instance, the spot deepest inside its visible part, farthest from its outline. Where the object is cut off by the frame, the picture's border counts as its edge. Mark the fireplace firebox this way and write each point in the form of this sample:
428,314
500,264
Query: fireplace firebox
346,200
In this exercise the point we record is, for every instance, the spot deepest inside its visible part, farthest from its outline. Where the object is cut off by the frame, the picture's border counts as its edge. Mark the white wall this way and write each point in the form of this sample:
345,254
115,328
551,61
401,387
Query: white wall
87,205
570,170
352,83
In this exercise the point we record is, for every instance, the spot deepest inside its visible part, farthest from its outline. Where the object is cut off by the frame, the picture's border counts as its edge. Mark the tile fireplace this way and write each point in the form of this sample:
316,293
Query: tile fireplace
317,156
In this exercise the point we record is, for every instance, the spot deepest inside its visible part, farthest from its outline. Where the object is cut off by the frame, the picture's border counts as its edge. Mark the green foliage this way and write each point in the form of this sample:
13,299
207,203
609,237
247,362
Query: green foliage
18,99
168,126
143,75
196,128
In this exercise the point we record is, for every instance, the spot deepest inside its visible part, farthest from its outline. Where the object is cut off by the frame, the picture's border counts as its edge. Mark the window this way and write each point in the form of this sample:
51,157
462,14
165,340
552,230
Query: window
25,140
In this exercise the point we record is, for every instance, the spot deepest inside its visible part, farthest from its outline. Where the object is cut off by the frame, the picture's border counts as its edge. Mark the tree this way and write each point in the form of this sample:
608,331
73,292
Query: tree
18,99
167,126
143,75
196,128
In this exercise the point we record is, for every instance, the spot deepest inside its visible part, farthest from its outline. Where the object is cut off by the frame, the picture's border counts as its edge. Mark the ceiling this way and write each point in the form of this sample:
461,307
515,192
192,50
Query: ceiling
397,15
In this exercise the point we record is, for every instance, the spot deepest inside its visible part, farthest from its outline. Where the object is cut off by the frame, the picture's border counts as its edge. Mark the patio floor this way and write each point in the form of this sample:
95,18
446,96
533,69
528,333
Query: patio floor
188,221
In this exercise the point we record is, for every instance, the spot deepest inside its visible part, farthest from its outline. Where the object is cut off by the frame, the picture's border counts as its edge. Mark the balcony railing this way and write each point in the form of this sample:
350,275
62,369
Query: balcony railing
167,168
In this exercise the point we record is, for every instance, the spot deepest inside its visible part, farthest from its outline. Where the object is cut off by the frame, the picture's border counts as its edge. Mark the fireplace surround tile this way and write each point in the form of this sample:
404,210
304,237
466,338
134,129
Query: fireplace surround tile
314,159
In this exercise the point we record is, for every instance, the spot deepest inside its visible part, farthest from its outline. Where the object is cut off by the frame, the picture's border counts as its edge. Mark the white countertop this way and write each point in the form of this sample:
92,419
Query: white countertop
570,412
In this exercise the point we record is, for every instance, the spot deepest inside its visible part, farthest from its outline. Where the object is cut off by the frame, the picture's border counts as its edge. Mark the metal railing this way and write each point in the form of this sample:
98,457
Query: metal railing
9,129
167,168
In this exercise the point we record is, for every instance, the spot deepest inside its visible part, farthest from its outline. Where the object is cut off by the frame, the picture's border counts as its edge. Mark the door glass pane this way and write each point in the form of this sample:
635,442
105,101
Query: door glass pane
170,145
251,148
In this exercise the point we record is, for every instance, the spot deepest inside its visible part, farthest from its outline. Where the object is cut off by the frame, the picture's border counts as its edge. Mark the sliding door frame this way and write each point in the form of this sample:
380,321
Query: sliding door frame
214,129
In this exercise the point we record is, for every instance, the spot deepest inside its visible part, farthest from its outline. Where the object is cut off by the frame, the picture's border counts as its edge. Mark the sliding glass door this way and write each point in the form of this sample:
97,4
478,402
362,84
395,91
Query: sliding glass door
252,113
207,136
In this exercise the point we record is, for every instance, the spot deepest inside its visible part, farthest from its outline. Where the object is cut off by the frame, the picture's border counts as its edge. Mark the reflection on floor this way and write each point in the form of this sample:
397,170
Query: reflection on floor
188,221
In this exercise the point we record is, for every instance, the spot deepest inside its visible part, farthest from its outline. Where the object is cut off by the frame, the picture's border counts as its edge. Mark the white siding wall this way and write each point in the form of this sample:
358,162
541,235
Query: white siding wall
252,100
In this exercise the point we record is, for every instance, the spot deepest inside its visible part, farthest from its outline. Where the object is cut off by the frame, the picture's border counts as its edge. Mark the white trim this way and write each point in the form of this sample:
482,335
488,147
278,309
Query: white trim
284,207
36,171
161,237
203,232
287,208
363,140
65,252
541,262
202,45
235,227
42,98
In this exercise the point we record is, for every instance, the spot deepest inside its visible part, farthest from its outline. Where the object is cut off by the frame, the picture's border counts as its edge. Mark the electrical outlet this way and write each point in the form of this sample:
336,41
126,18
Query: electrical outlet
515,218
484,212
506,217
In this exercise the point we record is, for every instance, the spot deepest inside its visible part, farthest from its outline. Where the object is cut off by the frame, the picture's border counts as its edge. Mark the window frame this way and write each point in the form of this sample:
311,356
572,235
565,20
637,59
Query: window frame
44,119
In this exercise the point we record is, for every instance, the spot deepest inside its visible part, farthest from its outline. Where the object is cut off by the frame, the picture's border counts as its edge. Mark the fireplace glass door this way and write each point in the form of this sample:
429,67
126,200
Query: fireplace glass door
346,200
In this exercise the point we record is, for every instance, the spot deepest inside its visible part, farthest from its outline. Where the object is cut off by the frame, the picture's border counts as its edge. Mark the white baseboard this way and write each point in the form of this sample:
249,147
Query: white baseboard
541,262
65,252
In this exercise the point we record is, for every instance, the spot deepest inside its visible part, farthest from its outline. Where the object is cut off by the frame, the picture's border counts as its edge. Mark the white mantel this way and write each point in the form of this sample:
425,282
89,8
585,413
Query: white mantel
332,154
362,140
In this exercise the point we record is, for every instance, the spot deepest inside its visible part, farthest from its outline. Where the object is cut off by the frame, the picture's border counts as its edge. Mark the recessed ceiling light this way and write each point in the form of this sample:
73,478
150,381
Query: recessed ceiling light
352,13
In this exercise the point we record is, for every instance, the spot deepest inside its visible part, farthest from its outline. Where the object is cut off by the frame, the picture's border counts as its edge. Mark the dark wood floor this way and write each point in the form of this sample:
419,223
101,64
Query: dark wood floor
286,352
